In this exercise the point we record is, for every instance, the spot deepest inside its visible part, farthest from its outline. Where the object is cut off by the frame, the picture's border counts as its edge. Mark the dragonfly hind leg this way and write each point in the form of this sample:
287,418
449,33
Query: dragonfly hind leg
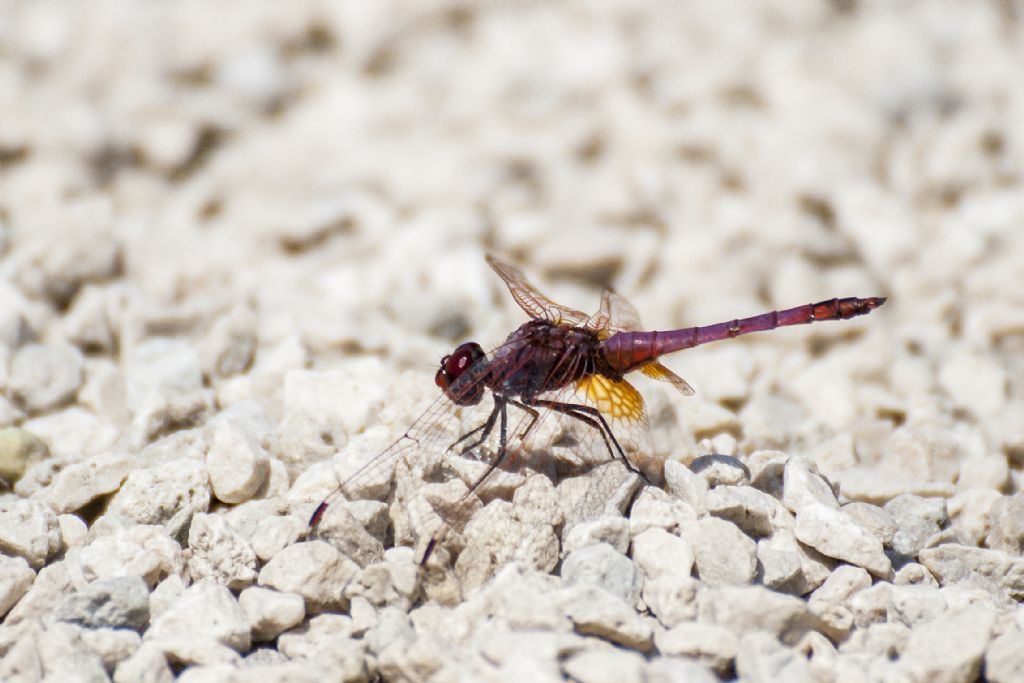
593,417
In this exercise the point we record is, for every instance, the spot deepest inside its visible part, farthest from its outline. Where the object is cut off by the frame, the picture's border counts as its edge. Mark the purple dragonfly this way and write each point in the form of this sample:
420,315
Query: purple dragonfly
562,366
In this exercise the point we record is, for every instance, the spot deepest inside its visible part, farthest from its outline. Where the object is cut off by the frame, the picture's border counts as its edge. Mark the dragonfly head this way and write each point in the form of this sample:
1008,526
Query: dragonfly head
454,366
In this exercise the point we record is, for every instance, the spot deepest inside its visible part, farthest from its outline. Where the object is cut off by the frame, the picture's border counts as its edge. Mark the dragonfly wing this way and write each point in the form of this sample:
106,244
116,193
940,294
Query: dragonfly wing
659,372
530,300
623,315
615,399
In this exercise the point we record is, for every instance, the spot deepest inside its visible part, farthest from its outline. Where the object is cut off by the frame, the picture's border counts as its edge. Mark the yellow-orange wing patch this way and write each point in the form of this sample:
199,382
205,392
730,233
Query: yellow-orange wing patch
615,399
659,372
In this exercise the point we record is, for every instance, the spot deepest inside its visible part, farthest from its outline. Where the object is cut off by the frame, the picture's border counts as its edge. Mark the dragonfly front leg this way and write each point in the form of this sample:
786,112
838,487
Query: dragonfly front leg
499,410
486,428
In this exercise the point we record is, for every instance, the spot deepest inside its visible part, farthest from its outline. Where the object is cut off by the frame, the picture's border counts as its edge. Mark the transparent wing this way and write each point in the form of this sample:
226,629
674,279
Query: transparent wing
615,314
532,301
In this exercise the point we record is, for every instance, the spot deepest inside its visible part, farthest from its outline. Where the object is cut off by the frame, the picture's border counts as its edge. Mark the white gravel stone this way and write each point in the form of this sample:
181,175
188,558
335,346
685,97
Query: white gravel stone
984,472
879,485
44,376
755,512
830,602
111,645
767,471
871,605
314,570
712,646
969,512
196,650
781,570
86,252
723,554
216,551
275,533
672,599
169,494
874,519
20,449
237,463
73,432
15,579
271,613
974,382
65,657
88,324
613,530
28,529
949,648
1006,524
393,629
495,535
318,403
916,605
601,565
605,666
545,647
391,582
596,612
145,551
372,514
912,574
762,659
146,665
918,519
657,553
79,484
1004,659
744,609
676,670
52,583
341,529
685,485
952,563
654,508
721,470
164,385
322,632
119,602
165,594
802,486
841,584
205,611
230,346
364,615
833,533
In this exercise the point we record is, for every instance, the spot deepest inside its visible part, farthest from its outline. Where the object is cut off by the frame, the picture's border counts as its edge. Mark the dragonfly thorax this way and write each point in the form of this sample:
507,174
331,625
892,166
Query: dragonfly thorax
541,356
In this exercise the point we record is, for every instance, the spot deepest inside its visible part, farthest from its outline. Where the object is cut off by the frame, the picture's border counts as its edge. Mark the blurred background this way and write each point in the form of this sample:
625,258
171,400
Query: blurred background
331,174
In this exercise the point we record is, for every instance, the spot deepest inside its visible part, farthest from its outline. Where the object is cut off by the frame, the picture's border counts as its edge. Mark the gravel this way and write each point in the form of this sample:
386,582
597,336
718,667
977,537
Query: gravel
231,259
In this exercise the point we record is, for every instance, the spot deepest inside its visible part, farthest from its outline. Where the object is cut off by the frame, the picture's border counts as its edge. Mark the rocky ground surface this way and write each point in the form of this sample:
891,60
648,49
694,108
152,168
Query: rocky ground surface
236,237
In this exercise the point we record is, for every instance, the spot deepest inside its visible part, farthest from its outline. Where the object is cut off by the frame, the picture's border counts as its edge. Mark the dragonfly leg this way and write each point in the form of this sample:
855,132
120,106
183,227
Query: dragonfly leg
593,417
499,410
534,414
486,428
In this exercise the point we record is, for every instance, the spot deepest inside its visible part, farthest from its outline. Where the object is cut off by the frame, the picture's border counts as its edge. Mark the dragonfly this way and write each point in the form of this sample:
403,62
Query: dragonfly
562,363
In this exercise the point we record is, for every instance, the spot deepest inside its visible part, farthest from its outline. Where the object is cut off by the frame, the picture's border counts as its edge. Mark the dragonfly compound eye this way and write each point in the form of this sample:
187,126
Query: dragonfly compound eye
453,367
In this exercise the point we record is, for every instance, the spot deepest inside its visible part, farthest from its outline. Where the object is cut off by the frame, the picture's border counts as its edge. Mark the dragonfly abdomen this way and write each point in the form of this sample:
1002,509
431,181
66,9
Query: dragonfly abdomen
627,351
